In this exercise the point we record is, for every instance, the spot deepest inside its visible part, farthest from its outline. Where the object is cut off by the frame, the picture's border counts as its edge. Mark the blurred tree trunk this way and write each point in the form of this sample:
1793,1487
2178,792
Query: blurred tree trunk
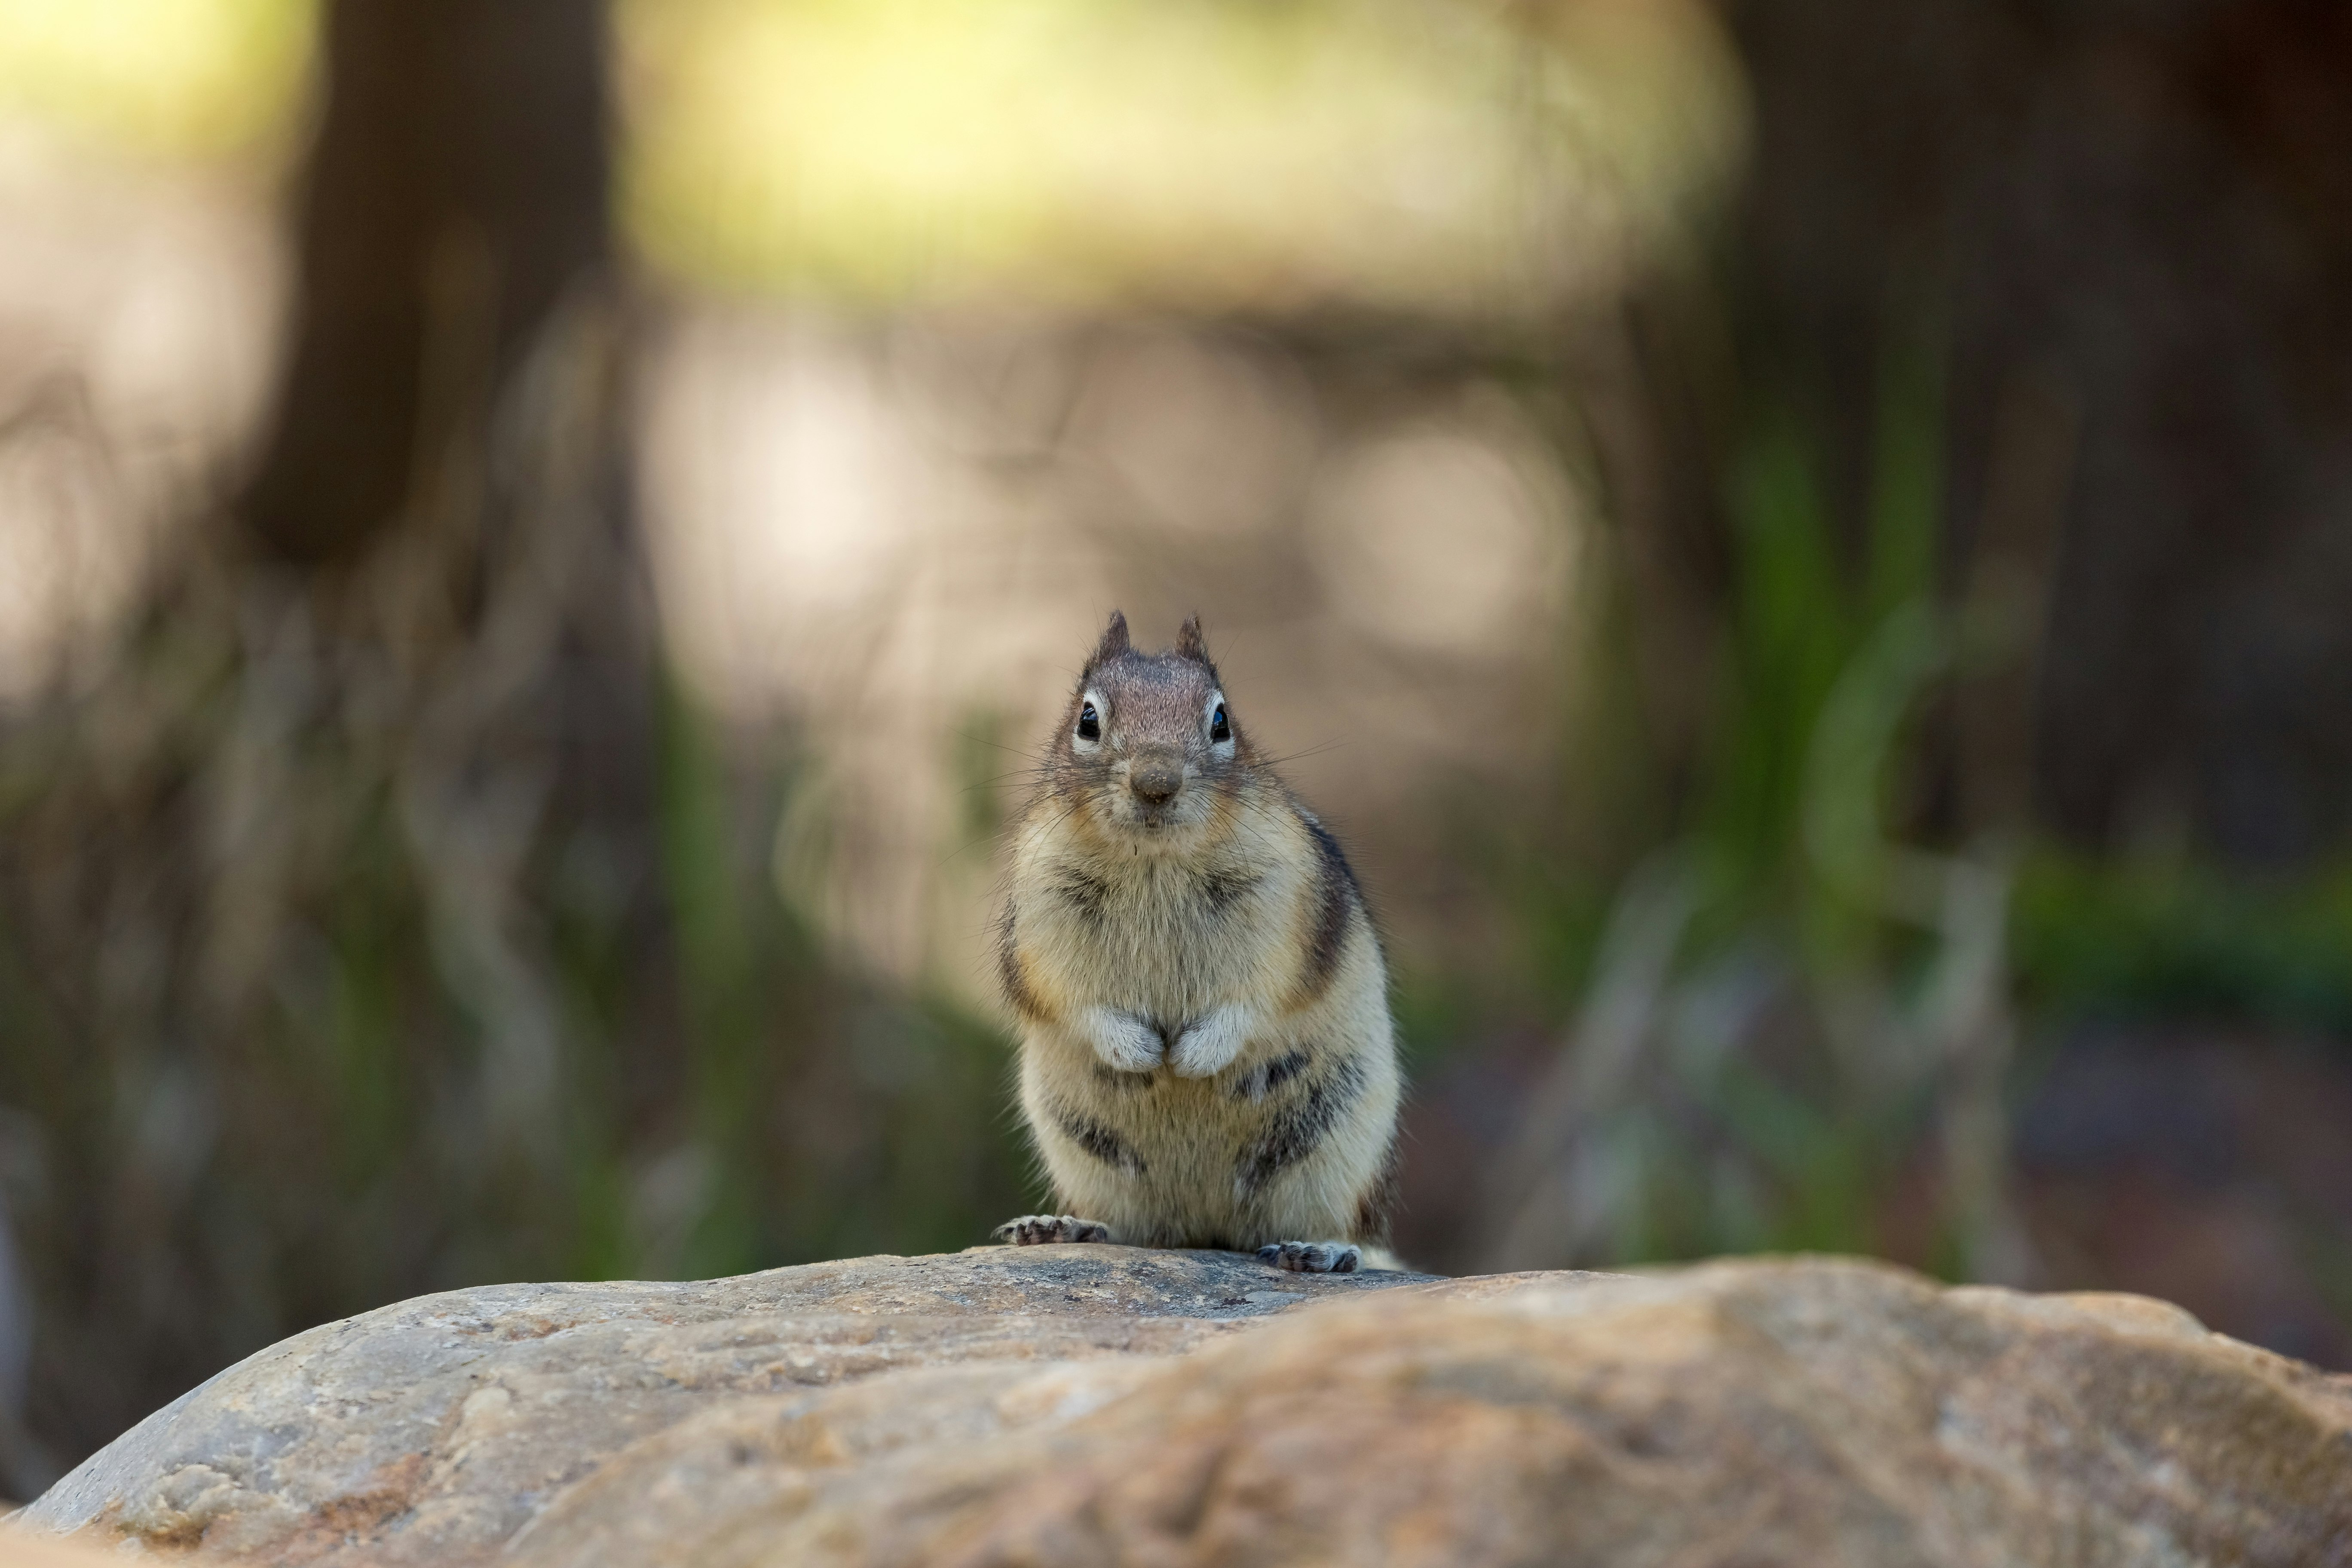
448,488
457,195
2129,229
449,479
337,960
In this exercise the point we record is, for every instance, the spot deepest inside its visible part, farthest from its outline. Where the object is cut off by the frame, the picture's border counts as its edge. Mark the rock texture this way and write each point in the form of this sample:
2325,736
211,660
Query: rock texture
1095,1406
433,1431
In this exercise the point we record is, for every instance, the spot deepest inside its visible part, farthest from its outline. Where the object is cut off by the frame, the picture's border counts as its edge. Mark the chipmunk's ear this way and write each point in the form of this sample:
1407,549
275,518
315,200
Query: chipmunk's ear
1114,641
1188,640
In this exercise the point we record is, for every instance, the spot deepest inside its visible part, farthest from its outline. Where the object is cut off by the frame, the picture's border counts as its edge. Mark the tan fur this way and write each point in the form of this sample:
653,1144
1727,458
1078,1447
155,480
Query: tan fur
1226,927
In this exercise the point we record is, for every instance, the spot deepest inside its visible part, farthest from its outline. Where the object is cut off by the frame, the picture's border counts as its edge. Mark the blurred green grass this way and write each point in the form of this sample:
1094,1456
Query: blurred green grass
2167,936
1806,993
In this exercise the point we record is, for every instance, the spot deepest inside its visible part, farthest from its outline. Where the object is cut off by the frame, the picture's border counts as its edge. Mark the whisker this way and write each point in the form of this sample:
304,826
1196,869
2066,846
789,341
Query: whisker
1037,756
1314,751
990,782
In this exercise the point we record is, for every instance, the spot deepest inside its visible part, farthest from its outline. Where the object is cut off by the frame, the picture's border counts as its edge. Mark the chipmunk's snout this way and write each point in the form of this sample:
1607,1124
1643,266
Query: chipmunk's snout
1157,775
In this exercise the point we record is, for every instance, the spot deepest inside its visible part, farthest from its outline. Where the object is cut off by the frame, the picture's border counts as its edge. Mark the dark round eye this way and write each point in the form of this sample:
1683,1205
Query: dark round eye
1089,723
1218,729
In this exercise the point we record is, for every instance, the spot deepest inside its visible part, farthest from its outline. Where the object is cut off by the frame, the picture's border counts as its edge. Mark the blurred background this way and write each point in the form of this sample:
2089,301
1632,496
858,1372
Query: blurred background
1807,546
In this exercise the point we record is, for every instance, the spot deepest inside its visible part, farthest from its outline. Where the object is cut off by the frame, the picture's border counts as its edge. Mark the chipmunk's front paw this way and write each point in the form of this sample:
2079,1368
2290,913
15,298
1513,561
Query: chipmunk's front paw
1042,1229
1124,1042
1311,1257
1209,1045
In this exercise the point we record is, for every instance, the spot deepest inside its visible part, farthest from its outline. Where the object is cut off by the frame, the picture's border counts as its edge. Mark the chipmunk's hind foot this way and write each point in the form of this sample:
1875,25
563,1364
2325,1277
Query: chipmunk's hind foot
1043,1229
1312,1257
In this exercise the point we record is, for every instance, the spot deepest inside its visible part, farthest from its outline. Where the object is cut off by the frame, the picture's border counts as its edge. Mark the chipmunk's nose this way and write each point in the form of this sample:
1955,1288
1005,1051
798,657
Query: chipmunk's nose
1156,776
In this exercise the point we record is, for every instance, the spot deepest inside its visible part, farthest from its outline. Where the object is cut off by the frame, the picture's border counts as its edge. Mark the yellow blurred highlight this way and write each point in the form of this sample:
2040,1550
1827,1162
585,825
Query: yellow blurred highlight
158,77
1453,155
1193,153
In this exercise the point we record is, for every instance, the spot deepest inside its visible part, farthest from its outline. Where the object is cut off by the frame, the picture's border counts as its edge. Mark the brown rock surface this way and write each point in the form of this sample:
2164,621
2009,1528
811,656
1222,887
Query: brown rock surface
432,1431
1100,1405
19,1549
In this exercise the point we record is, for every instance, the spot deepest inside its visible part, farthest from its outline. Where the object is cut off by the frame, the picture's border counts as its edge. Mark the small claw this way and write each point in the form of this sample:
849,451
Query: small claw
1311,1257
1044,1229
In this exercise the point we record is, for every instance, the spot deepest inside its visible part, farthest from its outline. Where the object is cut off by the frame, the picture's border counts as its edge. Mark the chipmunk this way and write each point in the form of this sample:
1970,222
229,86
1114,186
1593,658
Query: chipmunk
1207,1057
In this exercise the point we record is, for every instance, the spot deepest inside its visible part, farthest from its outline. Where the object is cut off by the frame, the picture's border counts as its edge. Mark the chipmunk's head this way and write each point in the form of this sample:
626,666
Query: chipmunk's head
1147,747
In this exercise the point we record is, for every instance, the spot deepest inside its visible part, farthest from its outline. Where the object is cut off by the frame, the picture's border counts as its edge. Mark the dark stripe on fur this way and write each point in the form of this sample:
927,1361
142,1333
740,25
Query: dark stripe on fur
1299,1128
1378,1206
1335,886
1008,967
1110,1076
1220,890
1099,1141
1087,895
1264,1078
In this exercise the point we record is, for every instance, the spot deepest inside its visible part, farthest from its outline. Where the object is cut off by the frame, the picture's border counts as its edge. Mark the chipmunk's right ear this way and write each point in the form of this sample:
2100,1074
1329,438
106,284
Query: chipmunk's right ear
1189,644
1114,641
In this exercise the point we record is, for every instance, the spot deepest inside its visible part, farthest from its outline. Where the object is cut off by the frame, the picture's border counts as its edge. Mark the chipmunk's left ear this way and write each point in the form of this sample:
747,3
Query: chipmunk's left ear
1188,640
1114,641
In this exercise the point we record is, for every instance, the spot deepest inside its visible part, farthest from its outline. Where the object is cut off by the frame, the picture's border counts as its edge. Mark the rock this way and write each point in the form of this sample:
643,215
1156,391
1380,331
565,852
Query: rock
1094,1404
19,1549
432,1431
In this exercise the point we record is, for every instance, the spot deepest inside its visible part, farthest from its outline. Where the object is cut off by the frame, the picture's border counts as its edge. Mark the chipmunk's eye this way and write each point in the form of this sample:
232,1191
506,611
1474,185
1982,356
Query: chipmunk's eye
1089,722
1218,729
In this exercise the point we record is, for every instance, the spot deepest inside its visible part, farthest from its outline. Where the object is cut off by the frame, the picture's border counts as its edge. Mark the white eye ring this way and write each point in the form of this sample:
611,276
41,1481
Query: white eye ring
1211,716
1092,711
